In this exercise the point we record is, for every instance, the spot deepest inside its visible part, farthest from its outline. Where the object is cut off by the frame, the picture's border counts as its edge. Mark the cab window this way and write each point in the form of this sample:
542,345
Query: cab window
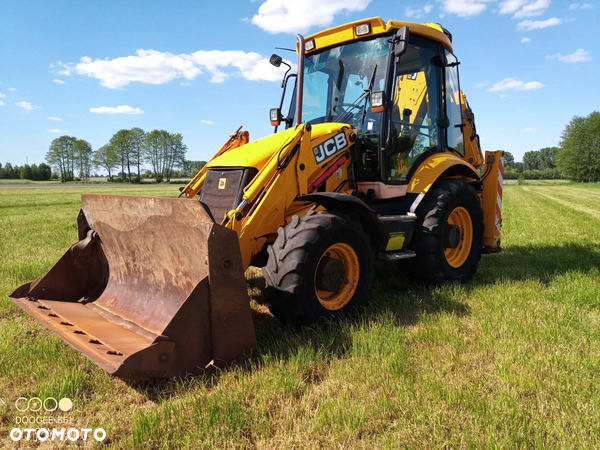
415,109
453,108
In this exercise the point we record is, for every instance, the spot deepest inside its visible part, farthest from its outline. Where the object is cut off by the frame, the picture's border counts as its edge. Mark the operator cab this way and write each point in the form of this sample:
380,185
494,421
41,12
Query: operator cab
419,91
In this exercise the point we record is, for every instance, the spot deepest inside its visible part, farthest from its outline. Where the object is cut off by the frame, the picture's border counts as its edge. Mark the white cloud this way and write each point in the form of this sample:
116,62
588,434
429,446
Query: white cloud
482,84
124,109
2,95
515,85
417,12
55,119
528,25
207,122
579,55
57,81
582,6
530,129
1,103
465,8
56,130
524,8
503,95
12,89
525,40
26,105
294,16
153,67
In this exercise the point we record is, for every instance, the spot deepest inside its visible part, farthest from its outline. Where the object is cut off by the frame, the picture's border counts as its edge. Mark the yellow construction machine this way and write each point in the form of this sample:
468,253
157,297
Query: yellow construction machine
379,159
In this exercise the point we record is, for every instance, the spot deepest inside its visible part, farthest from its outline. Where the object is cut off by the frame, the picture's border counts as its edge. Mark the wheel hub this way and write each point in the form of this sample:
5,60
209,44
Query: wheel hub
330,274
452,236
459,223
337,275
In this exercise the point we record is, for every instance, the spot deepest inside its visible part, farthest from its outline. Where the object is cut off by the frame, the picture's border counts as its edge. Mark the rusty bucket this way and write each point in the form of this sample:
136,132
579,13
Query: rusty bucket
154,288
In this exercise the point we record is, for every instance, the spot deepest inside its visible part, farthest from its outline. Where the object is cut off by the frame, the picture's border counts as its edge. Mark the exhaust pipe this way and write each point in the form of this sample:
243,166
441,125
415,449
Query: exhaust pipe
300,79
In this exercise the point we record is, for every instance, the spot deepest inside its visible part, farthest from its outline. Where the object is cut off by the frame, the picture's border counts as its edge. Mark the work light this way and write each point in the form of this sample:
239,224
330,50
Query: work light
362,29
275,116
377,104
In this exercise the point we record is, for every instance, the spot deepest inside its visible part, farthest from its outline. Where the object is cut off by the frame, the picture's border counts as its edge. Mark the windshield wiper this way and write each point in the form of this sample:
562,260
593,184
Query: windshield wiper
359,101
364,111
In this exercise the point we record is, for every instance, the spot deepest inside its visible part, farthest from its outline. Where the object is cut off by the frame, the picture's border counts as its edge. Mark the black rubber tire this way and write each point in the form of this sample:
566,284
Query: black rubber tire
430,264
292,264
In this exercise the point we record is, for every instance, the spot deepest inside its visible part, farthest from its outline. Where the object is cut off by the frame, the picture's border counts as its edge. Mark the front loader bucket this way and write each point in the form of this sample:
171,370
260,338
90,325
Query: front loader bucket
154,288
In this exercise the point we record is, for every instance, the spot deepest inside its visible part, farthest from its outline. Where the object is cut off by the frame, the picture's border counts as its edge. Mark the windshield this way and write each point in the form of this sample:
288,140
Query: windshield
337,82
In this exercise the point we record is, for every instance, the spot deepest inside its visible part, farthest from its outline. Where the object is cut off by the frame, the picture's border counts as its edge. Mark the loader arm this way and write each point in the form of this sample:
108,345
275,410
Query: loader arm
290,172
236,139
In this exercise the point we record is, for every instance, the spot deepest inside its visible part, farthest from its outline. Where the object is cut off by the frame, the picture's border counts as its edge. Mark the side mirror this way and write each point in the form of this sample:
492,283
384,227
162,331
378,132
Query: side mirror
275,60
377,103
442,122
275,116
401,41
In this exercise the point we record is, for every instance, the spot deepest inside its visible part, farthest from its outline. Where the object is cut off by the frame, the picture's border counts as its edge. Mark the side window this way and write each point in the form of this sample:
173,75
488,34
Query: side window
414,110
453,108
314,102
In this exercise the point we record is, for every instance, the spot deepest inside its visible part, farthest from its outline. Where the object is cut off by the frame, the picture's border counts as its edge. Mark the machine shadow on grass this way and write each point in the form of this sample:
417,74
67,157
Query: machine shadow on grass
544,263
394,295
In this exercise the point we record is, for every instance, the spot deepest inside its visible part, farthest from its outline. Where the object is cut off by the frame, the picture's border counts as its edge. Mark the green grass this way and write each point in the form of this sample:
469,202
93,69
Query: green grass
511,360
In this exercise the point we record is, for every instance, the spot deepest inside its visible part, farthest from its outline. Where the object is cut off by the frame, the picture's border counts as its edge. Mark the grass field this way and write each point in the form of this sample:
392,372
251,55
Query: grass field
511,360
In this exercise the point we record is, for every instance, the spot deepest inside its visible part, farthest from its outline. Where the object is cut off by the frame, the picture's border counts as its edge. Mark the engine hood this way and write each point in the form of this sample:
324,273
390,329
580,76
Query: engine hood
257,153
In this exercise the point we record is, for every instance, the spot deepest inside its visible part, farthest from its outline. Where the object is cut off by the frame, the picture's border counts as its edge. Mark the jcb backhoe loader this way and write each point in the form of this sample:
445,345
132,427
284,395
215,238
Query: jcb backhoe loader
379,160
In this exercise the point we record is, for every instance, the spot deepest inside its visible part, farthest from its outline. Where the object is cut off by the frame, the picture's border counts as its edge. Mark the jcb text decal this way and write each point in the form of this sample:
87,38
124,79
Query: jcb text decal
330,147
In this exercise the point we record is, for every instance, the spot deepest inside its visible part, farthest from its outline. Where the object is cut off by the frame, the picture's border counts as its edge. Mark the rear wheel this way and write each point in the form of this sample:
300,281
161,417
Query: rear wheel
448,236
320,266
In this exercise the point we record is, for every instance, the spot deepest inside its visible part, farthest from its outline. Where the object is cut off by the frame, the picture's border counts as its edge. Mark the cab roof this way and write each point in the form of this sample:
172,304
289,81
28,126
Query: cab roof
344,33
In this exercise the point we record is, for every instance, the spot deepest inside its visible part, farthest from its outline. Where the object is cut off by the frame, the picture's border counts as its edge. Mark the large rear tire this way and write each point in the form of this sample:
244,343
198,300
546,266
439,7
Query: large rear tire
319,267
448,235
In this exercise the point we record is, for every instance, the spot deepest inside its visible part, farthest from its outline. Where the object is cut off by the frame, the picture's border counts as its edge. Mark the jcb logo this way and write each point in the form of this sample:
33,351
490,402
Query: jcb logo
330,147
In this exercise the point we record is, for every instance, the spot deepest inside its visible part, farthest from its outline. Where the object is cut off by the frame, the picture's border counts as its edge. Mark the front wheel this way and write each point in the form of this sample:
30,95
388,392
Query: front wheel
448,235
320,266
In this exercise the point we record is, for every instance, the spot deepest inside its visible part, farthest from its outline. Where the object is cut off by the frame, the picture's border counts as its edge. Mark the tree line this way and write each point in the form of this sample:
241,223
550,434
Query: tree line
536,165
123,157
577,158
43,172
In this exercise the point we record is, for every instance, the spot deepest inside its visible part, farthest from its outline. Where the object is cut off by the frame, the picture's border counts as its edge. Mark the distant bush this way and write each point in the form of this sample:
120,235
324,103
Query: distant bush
545,174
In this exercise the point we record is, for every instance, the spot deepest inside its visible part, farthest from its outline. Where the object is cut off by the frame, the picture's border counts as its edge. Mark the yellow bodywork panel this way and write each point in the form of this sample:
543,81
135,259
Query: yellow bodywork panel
254,154
492,200
344,33
432,168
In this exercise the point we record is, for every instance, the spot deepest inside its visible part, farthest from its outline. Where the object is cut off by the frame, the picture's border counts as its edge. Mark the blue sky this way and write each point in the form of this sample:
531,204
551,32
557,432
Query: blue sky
90,68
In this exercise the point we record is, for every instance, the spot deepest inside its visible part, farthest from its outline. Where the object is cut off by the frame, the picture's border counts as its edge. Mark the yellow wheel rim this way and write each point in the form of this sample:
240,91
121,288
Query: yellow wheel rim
460,217
336,277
